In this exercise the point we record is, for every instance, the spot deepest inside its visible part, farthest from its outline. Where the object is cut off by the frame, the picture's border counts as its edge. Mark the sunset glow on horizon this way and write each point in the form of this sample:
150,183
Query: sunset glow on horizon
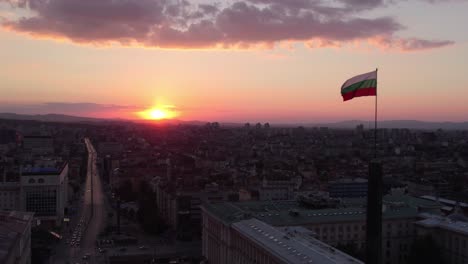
233,61
158,113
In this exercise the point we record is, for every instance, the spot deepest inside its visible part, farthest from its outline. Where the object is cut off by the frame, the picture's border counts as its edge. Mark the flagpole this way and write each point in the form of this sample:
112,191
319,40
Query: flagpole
374,203
375,128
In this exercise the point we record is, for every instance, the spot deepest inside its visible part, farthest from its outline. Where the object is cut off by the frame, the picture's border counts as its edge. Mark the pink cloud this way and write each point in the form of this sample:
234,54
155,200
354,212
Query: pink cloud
410,44
181,24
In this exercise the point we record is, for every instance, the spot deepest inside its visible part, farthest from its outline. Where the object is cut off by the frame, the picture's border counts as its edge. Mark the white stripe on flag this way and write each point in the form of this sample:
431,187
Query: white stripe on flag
360,78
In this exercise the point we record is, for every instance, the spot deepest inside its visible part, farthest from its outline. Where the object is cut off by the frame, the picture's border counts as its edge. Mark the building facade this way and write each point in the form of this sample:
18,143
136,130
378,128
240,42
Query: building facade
9,188
348,188
253,241
15,237
44,192
343,226
38,144
451,235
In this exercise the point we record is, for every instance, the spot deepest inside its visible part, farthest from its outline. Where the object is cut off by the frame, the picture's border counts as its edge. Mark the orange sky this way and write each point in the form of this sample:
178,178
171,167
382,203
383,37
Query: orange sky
249,77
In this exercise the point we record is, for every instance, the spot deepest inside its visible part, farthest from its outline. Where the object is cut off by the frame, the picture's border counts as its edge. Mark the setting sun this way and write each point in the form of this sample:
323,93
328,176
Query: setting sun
158,113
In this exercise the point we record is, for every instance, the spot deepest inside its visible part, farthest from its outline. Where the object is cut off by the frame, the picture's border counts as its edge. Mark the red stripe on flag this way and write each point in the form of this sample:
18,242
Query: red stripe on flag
370,91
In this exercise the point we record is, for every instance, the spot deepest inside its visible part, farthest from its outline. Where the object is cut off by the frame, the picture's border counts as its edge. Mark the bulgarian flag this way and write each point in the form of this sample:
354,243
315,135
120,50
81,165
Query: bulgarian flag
360,85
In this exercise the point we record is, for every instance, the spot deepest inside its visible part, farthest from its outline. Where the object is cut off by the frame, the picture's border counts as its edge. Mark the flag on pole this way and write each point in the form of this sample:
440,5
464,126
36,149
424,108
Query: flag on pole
360,85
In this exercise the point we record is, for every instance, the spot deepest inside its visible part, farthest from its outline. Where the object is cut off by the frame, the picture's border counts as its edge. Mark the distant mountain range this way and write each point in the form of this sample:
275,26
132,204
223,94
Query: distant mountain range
49,117
411,124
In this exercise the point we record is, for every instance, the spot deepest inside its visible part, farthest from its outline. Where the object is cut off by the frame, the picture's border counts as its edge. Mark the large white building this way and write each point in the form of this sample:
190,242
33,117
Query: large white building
44,192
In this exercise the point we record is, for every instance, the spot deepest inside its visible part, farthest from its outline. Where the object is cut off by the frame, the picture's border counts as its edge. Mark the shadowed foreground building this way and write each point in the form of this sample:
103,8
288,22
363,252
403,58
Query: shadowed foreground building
341,226
450,234
253,241
15,237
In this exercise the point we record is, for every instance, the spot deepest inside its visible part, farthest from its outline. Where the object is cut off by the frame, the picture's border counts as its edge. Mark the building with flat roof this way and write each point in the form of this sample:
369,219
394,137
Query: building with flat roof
448,205
109,148
44,192
450,234
15,237
344,225
254,241
38,144
348,188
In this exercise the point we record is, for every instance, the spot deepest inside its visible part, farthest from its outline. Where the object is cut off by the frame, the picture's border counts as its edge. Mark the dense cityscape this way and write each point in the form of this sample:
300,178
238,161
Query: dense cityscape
233,132
126,192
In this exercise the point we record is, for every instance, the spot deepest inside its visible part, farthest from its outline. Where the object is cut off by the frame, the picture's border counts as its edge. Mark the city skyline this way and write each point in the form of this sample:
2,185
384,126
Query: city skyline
54,62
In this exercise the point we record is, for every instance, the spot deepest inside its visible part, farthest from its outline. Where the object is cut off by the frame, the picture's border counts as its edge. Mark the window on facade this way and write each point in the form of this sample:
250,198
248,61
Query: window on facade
42,202
40,180
31,181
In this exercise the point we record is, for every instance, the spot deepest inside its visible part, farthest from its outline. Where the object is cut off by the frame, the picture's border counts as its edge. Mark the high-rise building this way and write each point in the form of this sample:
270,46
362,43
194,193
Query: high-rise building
44,192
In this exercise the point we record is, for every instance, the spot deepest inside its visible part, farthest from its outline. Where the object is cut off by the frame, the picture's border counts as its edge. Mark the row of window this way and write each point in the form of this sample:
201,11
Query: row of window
340,228
32,180
454,243
42,202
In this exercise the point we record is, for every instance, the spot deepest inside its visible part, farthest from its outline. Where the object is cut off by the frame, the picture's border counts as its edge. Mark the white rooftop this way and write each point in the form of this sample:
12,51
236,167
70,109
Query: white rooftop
291,245
444,223
442,200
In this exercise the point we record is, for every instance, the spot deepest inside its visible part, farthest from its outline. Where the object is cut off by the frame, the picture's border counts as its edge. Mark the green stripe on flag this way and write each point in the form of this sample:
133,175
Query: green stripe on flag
359,85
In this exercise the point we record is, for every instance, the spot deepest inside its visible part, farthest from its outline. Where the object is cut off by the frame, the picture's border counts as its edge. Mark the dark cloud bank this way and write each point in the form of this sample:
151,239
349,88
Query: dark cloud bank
236,23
